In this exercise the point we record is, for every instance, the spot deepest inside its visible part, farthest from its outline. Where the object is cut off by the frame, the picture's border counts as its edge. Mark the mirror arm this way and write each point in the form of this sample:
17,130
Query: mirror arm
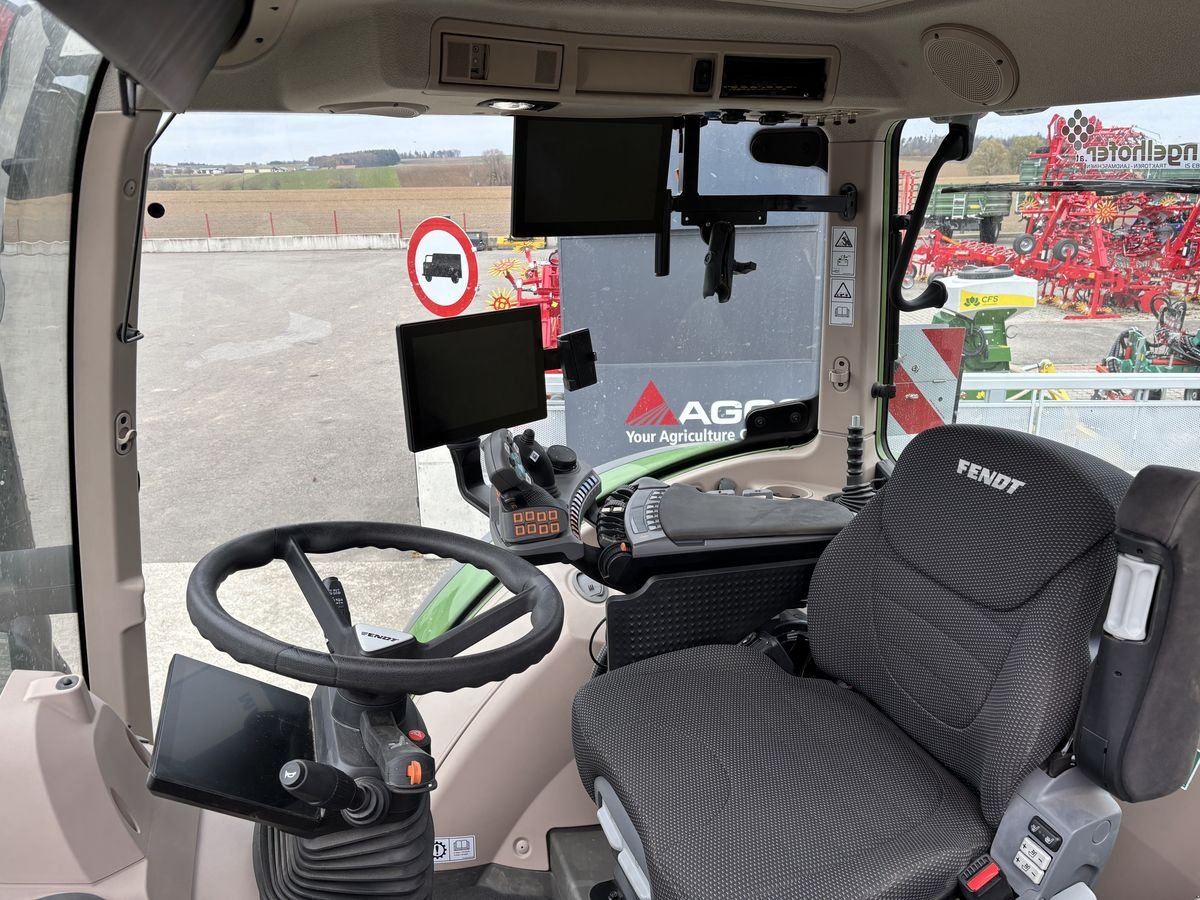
955,146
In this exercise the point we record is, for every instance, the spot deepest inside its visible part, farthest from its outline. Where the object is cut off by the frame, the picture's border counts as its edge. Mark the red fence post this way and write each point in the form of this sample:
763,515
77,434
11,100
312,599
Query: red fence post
271,219
335,223
145,233
400,224
464,218
207,226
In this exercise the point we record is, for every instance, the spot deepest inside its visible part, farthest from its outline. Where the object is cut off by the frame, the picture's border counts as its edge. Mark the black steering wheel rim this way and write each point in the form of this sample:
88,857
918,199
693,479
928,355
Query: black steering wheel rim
426,667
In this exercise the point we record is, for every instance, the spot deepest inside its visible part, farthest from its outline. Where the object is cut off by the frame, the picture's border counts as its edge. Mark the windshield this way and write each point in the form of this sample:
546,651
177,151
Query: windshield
280,252
1068,245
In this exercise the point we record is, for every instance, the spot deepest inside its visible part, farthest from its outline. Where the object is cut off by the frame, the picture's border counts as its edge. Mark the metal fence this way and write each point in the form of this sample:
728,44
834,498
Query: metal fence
1131,432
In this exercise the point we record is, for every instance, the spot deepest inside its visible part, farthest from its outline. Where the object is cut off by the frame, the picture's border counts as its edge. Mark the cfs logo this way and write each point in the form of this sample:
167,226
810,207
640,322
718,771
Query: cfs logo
974,301
652,411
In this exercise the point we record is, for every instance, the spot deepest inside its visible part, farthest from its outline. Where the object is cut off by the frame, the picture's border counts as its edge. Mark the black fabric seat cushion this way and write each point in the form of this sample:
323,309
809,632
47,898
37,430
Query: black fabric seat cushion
746,782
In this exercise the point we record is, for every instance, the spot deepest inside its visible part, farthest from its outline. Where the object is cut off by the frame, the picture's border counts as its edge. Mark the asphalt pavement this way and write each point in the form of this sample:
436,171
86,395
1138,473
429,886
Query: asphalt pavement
269,393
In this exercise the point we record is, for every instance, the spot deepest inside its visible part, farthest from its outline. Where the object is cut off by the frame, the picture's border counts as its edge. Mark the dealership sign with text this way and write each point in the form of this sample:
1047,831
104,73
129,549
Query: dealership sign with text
653,422
1146,153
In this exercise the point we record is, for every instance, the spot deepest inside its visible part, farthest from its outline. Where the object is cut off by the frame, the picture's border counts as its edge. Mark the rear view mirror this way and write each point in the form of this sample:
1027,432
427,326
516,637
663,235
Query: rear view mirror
791,146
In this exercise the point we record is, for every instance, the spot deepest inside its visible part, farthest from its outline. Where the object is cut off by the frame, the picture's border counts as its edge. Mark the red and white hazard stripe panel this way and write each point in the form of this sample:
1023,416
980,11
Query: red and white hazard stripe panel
928,379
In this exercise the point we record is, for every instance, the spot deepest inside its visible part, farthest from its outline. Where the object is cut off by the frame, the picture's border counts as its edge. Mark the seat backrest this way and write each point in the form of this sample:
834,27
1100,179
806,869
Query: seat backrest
962,599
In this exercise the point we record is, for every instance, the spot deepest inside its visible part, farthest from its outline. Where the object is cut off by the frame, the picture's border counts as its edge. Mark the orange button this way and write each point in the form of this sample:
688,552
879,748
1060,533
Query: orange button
520,530
414,772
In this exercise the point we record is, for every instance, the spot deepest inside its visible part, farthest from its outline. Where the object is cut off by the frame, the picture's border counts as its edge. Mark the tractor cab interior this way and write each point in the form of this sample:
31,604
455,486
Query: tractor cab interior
918,627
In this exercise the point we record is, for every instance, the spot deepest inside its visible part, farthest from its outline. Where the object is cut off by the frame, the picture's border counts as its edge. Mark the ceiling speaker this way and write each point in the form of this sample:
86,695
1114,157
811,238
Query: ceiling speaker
972,65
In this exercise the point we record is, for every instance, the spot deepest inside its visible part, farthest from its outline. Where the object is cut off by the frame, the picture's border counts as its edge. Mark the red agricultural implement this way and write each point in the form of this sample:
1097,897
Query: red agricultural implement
1096,238
534,282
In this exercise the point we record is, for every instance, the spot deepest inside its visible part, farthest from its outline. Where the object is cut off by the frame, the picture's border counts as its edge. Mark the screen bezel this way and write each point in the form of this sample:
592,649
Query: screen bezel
299,819
425,438
523,228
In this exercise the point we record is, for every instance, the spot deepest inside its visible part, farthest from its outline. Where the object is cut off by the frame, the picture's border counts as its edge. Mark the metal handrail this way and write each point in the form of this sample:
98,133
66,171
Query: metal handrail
989,381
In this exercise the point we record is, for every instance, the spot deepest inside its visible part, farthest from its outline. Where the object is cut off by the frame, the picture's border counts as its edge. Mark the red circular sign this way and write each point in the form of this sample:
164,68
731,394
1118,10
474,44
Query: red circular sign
436,271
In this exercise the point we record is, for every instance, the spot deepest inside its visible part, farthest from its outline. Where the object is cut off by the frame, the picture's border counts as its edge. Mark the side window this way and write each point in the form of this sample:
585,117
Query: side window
45,76
1069,245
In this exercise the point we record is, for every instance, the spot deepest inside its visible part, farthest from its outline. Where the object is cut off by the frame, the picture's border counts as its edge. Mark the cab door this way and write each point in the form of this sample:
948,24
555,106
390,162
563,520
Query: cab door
47,78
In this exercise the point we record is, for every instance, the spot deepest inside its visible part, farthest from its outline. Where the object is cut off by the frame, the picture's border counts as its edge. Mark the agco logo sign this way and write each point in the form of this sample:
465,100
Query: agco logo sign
695,422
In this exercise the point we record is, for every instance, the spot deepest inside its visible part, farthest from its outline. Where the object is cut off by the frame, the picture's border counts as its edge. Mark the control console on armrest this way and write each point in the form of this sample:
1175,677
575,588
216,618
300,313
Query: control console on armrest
663,519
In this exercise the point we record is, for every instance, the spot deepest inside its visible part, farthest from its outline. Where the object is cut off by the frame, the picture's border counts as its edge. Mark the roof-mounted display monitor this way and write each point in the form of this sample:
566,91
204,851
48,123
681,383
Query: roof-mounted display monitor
589,176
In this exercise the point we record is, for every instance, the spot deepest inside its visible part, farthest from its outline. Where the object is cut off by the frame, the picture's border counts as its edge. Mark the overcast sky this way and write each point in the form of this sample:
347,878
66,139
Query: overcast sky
249,137
1170,121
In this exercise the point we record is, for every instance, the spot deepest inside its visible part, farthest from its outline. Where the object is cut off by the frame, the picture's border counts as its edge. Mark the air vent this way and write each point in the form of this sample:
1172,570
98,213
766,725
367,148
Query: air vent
792,79
580,499
458,59
495,62
545,70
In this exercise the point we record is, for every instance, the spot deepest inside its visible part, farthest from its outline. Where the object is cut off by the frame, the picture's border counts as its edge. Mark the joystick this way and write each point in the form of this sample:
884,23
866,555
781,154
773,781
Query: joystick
858,490
536,460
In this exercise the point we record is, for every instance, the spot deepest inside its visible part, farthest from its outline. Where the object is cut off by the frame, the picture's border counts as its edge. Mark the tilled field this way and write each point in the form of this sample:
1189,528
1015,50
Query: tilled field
192,214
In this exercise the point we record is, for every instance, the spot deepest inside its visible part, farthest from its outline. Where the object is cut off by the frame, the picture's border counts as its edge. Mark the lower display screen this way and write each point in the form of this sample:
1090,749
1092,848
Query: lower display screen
222,738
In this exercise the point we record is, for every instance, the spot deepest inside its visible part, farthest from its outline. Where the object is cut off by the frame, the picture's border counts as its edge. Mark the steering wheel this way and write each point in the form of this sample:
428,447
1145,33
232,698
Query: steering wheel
407,665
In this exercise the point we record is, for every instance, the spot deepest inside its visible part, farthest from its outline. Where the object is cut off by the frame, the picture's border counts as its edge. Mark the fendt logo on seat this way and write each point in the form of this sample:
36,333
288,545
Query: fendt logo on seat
990,477
652,411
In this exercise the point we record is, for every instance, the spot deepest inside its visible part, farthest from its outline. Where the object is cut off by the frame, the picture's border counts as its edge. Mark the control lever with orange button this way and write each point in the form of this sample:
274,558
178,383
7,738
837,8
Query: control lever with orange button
405,764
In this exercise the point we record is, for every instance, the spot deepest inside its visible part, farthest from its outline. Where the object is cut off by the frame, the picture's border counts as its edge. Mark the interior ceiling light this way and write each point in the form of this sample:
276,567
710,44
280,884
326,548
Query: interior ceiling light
518,105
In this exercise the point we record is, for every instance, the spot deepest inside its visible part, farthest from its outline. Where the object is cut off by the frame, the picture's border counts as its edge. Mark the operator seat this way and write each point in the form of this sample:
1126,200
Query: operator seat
952,617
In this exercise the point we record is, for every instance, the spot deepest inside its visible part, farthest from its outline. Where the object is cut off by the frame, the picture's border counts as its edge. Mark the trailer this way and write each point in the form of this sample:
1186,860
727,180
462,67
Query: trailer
959,210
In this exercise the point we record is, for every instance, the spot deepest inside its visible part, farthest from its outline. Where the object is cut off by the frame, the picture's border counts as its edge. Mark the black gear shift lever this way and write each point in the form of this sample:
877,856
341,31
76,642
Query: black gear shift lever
858,490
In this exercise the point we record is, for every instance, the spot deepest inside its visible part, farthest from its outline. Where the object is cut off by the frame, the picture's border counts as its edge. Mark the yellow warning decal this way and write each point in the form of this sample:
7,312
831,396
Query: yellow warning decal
975,300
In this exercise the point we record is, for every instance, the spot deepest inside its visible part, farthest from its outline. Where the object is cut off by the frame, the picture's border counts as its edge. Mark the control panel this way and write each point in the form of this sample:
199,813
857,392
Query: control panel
719,520
1055,832
537,497
535,523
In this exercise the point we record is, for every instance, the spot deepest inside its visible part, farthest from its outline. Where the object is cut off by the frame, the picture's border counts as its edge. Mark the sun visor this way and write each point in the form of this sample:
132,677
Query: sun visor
168,46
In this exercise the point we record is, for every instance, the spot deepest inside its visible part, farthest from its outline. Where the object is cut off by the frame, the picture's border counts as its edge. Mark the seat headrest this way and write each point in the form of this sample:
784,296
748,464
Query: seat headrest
994,514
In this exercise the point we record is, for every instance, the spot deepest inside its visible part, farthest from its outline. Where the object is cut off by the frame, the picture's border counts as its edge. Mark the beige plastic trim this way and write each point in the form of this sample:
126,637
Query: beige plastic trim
506,769
104,382
599,65
74,781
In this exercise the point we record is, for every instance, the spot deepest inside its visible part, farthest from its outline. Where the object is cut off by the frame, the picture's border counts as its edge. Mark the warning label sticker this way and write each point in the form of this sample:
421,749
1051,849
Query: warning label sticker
841,312
460,848
843,248
841,262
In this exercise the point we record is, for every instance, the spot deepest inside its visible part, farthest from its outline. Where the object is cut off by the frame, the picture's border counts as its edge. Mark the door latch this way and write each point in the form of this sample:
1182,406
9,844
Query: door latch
839,374
123,433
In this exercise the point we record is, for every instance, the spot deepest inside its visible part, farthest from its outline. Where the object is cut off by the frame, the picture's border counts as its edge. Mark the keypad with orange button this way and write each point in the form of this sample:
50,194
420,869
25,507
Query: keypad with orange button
534,523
